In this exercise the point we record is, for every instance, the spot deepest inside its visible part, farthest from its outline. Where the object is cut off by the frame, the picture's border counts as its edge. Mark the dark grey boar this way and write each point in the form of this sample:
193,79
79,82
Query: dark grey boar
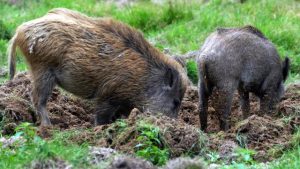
243,59
100,59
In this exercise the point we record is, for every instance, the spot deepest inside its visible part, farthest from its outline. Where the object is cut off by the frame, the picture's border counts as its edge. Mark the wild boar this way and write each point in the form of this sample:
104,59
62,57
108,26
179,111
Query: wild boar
100,59
244,59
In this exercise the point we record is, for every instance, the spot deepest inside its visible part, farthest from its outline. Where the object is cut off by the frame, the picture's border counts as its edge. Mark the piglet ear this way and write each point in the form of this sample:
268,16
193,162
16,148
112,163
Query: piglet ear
285,68
171,77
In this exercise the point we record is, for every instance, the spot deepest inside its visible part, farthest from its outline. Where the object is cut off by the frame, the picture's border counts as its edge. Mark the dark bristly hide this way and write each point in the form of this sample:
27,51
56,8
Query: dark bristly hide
240,59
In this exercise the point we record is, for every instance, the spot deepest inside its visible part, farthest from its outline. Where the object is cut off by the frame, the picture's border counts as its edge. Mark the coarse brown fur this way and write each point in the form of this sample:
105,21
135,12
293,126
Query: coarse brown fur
96,58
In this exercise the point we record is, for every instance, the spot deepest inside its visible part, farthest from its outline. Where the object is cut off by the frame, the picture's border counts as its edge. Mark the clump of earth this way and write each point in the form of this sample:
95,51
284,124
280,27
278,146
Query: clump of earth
259,132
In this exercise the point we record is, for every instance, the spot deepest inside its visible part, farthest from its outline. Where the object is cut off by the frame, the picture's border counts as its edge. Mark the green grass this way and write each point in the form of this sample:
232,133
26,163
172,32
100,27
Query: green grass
150,145
290,160
279,21
192,71
179,26
30,147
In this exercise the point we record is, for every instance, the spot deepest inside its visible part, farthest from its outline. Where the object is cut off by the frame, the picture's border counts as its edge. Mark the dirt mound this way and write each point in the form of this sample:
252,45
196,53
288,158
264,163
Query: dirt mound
65,111
290,103
258,130
179,138
262,134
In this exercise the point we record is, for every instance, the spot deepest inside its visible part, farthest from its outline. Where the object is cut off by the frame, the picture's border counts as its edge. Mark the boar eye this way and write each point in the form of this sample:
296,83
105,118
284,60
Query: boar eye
171,78
169,81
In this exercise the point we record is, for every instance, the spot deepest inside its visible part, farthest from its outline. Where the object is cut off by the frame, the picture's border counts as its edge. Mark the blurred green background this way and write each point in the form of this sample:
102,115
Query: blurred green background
177,25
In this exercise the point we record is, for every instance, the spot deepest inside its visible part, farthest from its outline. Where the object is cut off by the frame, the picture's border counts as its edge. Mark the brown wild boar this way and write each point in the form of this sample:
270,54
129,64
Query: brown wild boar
243,59
100,59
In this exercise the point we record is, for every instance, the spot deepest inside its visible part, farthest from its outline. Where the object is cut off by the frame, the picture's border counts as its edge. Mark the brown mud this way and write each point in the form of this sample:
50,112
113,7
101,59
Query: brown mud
260,132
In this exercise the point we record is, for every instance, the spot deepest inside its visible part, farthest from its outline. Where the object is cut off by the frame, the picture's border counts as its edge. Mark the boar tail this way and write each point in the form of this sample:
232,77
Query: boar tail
203,74
285,68
12,56
191,55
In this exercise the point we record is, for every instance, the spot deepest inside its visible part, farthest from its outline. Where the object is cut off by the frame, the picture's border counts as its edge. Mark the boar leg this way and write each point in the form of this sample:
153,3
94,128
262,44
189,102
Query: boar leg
203,105
43,84
266,104
245,103
269,94
224,107
105,112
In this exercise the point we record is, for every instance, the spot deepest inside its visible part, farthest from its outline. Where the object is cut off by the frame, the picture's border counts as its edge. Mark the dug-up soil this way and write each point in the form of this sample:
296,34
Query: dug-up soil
267,134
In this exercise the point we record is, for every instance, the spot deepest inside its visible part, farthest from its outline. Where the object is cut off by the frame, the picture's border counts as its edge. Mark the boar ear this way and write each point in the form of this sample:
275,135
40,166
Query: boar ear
171,77
180,60
285,68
